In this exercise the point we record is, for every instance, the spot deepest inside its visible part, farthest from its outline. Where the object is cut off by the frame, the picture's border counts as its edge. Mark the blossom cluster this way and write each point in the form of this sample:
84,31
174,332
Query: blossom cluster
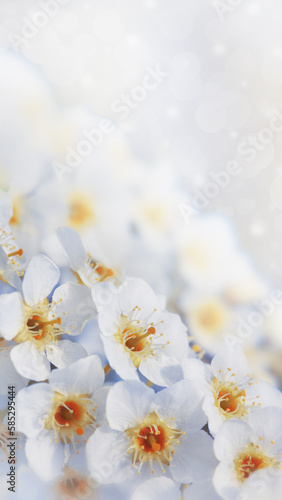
141,348
113,398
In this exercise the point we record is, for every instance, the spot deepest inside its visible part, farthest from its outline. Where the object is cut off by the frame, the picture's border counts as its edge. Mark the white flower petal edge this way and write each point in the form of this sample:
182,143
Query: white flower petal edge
198,373
8,374
83,266
181,404
9,272
65,353
201,491
44,457
194,458
163,370
231,356
30,362
11,314
74,305
120,361
128,404
232,438
266,484
72,245
40,277
86,378
107,458
33,403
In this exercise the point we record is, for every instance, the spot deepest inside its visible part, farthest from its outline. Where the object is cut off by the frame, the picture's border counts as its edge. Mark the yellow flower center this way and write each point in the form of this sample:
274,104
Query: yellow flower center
251,460
137,338
229,399
210,316
69,416
153,440
38,327
94,272
81,213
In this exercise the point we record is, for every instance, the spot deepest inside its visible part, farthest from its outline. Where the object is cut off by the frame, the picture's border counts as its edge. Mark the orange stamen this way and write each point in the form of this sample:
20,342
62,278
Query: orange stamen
79,431
18,252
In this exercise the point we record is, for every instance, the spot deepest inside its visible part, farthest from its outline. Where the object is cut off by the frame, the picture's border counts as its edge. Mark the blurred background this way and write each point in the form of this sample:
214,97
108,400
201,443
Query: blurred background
154,129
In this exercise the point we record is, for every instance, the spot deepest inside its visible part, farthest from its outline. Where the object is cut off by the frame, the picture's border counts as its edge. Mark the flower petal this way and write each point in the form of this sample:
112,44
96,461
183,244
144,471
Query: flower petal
197,372
266,422
64,353
107,457
8,274
33,404
161,370
128,404
231,438
72,245
201,491
113,301
231,357
225,481
30,362
11,314
194,458
9,375
182,405
39,280
156,488
84,376
74,305
45,456
119,359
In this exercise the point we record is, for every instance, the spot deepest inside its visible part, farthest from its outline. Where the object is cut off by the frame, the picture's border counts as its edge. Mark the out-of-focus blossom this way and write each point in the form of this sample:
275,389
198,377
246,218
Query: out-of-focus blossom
206,248
209,318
